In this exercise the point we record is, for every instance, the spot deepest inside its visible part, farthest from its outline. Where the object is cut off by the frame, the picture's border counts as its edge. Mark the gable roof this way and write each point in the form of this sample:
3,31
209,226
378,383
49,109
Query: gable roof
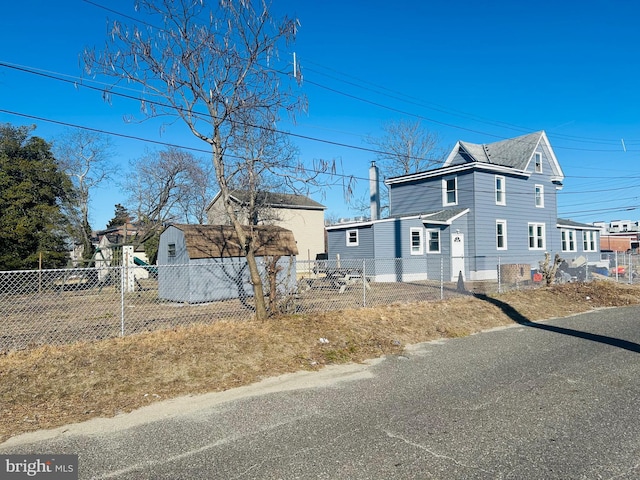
513,152
215,241
516,153
511,156
273,200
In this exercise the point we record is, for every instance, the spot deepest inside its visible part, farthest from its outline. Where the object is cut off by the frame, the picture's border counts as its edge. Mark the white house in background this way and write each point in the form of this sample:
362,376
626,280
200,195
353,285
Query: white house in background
300,214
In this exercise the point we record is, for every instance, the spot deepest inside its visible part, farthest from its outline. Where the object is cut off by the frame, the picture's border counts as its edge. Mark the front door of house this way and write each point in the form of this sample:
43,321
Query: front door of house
457,256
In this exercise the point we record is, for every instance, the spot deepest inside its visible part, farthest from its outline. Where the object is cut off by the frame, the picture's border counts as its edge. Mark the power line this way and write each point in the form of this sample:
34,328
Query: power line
419,102
338,175
439,108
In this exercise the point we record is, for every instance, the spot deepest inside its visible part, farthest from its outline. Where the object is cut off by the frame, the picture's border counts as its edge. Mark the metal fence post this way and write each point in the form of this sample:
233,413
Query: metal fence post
499,277
441,278
364,283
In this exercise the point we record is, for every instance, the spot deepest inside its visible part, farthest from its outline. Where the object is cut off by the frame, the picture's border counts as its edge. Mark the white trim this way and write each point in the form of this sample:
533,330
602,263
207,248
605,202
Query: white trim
405,277
502,191
594,239
491,274
535,225
541,196
578,227
420,249
504,234
348,237
568,236
536,163
425,218
452,170
445,191
428,241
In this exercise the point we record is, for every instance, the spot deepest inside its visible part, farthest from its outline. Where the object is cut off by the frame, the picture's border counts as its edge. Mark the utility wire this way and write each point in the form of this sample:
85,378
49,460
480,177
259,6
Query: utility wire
427,119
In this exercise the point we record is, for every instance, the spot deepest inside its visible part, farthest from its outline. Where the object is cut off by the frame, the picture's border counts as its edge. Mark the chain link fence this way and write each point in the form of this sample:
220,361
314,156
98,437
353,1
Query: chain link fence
84,304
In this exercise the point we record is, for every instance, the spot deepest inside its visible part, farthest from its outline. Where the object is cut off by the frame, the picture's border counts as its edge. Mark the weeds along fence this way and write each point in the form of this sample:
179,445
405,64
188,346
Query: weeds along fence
83,304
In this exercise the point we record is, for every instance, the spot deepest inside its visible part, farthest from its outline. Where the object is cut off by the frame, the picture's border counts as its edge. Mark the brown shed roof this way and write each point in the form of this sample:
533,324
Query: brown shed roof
215,241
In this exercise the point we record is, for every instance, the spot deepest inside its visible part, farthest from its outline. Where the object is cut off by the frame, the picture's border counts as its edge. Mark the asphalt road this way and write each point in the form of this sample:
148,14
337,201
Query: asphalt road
558,400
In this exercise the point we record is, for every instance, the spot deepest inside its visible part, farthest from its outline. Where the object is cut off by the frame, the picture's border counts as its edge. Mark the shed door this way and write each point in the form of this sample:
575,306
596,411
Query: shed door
457,256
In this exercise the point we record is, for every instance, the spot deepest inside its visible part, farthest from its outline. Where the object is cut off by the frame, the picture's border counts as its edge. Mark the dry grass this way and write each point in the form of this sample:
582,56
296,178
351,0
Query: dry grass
51,386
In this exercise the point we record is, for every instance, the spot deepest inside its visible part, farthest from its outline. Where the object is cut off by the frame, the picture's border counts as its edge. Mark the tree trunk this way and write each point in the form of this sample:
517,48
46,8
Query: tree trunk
258,290
254,273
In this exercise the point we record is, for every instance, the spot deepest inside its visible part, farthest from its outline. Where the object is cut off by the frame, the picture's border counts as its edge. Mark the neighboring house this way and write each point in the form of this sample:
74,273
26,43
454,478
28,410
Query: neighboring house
204,263
487,206
303,216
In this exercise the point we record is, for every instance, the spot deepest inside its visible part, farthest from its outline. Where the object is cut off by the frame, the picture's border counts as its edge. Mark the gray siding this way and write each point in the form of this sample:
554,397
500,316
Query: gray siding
181,279
337,242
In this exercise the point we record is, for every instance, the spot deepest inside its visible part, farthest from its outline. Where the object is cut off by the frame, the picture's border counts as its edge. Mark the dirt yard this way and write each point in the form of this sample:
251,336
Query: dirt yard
50,386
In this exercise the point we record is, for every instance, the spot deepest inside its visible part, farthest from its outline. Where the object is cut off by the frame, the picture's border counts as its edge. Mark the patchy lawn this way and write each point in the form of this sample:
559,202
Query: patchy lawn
51,386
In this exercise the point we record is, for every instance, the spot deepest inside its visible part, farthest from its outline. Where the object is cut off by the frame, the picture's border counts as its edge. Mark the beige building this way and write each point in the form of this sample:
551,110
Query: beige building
303,216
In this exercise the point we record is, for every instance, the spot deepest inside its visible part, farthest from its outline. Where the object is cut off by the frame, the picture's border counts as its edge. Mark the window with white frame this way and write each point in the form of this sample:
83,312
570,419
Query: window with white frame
536,236
352,238
589,241
501,234
568,240
501,193
416,241
538,162
539,196
433,244
450,191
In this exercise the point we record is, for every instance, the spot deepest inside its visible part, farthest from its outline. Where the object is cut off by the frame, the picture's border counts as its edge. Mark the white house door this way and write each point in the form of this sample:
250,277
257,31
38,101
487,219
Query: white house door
457,256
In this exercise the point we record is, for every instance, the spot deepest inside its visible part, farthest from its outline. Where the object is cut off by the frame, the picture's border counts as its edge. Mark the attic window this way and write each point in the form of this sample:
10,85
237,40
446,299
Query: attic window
171,250
538,162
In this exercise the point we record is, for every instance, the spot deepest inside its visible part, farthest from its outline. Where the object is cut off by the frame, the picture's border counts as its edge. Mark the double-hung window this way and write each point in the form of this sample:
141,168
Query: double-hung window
450,191
352,238
539,196
568,238
501,234
433,243
501,194
171,250
416,241
589,241
536,236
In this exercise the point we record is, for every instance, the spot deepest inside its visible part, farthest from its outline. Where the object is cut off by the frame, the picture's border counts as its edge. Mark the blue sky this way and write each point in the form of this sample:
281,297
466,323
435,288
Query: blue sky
472,71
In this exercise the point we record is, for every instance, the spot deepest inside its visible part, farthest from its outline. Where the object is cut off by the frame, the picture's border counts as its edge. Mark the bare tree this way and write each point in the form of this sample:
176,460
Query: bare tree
549,268
404,147
407,147
216,69
84,156
171,185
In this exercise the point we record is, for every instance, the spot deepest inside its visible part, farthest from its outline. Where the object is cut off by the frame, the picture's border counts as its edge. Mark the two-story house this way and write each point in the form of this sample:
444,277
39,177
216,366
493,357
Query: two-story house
298,213
488,205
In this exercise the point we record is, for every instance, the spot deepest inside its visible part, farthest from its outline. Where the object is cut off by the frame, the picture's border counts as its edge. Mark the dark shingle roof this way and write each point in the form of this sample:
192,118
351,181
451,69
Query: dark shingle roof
278,200
513,152
442,216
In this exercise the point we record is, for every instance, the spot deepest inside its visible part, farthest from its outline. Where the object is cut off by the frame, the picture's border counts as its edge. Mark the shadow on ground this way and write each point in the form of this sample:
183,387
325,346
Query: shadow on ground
520,319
